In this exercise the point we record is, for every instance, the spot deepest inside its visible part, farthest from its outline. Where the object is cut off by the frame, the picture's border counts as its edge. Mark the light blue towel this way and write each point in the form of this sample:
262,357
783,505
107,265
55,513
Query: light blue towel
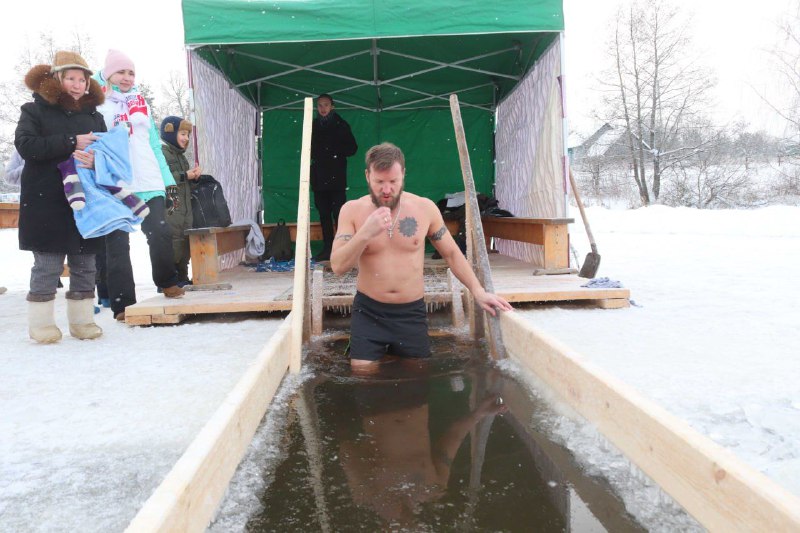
103,212
112,162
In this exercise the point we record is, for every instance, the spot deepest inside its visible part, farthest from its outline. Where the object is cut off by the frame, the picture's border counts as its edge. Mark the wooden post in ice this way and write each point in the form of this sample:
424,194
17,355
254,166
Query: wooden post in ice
475,233
300,322
476,328
456,302
317,292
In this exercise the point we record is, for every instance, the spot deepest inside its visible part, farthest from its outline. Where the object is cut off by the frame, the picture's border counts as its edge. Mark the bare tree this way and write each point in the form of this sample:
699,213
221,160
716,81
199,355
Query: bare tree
786,61
656,86
175,100
786,58
175,94
714,177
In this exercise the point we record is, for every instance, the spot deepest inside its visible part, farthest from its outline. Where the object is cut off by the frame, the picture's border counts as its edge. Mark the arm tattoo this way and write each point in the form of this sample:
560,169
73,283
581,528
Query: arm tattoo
344,237
439,234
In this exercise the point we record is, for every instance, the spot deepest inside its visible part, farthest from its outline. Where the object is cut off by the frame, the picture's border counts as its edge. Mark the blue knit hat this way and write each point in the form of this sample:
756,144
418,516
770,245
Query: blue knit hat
170,127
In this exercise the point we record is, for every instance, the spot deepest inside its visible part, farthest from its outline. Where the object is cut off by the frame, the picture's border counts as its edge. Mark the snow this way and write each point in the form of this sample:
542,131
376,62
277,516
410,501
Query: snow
715,340
91,427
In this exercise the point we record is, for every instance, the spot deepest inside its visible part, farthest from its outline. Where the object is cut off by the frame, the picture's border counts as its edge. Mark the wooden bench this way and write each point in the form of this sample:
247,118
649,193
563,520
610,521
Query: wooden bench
9,215
315,230
550,233
206,245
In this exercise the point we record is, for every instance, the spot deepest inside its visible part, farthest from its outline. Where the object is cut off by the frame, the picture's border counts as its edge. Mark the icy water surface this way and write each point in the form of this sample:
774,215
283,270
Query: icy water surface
445,444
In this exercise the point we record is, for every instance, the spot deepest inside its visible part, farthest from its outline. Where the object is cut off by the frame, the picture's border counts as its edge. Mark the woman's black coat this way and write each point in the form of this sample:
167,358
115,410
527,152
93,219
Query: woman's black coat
46,136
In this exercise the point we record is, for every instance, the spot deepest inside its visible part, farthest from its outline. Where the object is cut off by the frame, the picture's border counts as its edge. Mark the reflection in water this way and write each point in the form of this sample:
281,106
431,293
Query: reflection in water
391,462
429,445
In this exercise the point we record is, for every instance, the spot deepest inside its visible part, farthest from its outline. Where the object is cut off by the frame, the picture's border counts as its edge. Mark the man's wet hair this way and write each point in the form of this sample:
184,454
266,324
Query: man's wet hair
326,95
383,156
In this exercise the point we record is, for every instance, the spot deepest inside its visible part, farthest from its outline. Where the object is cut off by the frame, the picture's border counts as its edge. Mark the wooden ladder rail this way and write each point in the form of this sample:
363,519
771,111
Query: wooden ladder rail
476,242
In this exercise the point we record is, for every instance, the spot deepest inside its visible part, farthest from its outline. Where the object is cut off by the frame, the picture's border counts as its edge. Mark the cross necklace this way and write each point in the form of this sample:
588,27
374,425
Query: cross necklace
397,216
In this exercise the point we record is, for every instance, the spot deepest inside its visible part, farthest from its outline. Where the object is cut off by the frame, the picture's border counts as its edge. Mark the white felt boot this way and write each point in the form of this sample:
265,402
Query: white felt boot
80,314
41,322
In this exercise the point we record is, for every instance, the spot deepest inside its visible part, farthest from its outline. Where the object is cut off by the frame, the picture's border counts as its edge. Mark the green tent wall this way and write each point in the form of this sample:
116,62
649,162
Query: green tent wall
389,66
432,166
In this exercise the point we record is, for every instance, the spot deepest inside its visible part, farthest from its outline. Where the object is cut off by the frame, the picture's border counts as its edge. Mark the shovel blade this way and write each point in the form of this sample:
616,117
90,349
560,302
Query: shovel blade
590,265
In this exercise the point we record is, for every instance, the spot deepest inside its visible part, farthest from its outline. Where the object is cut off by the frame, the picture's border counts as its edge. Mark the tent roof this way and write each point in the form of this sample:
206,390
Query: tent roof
377,55
259,21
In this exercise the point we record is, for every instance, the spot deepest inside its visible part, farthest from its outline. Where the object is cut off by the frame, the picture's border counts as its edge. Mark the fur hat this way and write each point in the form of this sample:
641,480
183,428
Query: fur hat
65,60
116,61
170,127
40,80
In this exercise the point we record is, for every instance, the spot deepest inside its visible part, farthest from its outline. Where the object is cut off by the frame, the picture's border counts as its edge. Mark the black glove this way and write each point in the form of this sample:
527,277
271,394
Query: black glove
173,202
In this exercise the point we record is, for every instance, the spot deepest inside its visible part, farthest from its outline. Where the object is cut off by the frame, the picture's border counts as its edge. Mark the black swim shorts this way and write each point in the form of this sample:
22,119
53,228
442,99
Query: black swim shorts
378,329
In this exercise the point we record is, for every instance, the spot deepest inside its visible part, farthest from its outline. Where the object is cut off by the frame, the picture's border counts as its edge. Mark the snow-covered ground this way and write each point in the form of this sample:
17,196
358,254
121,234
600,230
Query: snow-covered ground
716,340
89,428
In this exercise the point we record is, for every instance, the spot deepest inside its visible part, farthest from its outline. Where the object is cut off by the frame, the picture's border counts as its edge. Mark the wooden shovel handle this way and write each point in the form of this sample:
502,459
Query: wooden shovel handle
583,213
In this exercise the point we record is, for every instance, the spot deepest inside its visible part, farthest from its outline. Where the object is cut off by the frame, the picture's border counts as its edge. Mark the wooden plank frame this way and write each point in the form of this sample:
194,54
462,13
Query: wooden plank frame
711,483
301,328
191,492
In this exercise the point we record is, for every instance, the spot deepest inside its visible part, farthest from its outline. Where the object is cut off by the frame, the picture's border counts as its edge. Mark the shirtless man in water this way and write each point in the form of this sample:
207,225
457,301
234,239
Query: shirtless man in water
384,235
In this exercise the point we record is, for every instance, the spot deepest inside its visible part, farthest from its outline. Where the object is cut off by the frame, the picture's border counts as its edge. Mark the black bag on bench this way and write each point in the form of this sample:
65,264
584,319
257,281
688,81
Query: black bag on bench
209,208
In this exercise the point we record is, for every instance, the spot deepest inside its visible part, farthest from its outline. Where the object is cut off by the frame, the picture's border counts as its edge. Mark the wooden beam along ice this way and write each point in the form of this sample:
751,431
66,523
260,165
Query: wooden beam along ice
711,483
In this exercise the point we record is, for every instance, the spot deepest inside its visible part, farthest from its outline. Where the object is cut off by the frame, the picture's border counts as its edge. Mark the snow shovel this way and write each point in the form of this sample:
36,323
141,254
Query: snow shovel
592,261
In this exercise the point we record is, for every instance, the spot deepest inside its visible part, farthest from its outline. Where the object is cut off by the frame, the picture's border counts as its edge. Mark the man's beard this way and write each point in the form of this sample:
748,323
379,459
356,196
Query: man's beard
377,201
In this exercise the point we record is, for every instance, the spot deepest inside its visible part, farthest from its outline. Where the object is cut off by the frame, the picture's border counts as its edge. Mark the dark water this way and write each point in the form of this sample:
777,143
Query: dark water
438,445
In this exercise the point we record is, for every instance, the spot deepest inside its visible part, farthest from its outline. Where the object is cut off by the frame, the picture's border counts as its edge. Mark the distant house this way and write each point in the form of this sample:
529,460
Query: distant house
602,161
607,143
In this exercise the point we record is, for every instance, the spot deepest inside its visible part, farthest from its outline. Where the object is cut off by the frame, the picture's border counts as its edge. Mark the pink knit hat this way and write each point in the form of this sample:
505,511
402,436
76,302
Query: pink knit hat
116,61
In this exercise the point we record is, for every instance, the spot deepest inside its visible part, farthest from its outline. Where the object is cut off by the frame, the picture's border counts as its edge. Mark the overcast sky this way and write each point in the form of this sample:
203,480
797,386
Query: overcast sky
733,35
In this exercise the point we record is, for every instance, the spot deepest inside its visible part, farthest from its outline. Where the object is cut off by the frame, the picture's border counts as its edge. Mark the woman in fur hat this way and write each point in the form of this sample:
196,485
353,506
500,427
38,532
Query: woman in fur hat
57,125
151,177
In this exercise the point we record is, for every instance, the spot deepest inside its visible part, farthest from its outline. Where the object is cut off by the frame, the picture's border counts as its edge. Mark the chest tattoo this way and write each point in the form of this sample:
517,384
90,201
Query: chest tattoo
408,226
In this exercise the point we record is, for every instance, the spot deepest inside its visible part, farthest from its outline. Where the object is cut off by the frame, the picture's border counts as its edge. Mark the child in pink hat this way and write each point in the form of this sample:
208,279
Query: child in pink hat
125,104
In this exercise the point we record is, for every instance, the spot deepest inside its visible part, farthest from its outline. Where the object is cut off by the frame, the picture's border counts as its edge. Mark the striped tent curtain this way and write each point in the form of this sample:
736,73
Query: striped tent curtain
227,149
529,147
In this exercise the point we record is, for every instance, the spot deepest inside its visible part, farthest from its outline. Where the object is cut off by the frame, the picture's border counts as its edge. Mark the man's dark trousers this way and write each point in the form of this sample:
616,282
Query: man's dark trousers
328,204
119,271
